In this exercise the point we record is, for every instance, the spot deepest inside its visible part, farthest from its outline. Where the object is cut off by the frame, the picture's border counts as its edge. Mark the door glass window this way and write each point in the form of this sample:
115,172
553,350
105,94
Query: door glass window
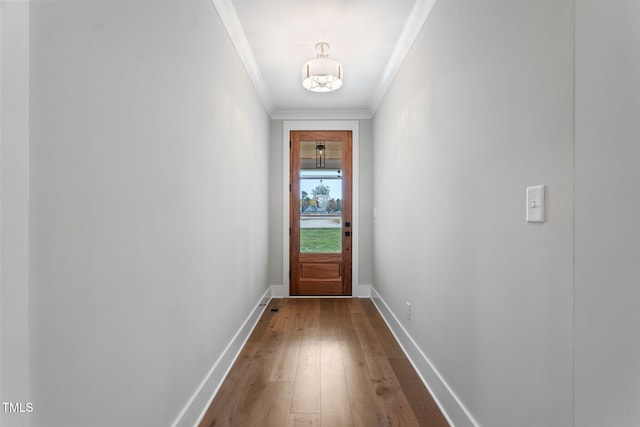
321,197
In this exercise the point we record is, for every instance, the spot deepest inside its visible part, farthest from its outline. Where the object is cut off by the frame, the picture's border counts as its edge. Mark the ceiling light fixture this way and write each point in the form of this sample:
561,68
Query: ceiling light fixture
322,74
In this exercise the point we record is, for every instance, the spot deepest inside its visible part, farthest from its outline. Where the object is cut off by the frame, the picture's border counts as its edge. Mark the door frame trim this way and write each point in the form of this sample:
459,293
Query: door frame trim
354,127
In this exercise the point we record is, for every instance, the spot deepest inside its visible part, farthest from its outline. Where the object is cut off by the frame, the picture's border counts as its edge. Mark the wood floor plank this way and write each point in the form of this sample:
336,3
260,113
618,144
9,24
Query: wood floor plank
311,311
329,309
364,410
268,406
251,401
260,332
305,420
422,404
306,392
354,305
286,359
322,362
271,348
367,336
334,394
391,347
389,395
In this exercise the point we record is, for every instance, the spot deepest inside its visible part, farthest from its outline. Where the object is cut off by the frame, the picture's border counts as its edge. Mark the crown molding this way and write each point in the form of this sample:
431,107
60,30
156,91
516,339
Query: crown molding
231,22
419,14
321,115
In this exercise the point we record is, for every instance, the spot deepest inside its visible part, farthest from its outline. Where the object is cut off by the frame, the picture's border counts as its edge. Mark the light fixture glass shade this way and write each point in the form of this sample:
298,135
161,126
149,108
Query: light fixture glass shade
322,74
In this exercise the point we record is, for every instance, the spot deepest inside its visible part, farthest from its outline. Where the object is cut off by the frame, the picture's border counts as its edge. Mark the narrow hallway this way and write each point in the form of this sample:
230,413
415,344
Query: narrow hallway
330,362
146,213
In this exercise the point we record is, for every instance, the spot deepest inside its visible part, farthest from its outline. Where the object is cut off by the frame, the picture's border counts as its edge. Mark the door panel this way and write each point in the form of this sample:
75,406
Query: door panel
320,238
320,271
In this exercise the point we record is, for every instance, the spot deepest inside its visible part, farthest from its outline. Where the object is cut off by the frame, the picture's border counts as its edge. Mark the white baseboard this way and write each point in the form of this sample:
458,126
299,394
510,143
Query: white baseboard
197,406
450,405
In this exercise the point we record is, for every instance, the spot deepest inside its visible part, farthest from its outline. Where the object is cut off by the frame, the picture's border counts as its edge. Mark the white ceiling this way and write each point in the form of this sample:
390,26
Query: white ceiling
369,37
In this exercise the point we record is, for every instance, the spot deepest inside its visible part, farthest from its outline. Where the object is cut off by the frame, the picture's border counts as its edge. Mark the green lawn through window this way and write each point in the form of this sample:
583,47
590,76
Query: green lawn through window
323,240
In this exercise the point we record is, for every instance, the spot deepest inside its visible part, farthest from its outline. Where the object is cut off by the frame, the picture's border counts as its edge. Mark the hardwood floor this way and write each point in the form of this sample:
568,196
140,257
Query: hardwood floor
322,362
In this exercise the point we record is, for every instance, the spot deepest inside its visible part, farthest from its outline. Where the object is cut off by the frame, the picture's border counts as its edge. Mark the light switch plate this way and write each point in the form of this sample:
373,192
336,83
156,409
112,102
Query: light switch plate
535,204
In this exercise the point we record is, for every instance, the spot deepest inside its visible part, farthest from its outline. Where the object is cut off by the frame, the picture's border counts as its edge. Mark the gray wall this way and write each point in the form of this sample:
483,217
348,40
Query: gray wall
136,233
481,109
607,272
14,208
365,239
148,173
276,183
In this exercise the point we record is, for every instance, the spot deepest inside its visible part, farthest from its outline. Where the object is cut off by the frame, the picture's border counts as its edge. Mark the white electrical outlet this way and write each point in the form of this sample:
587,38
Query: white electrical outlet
535,204
408,310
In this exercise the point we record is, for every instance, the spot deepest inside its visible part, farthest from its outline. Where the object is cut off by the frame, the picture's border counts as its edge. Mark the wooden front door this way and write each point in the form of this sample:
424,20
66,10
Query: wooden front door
321,223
